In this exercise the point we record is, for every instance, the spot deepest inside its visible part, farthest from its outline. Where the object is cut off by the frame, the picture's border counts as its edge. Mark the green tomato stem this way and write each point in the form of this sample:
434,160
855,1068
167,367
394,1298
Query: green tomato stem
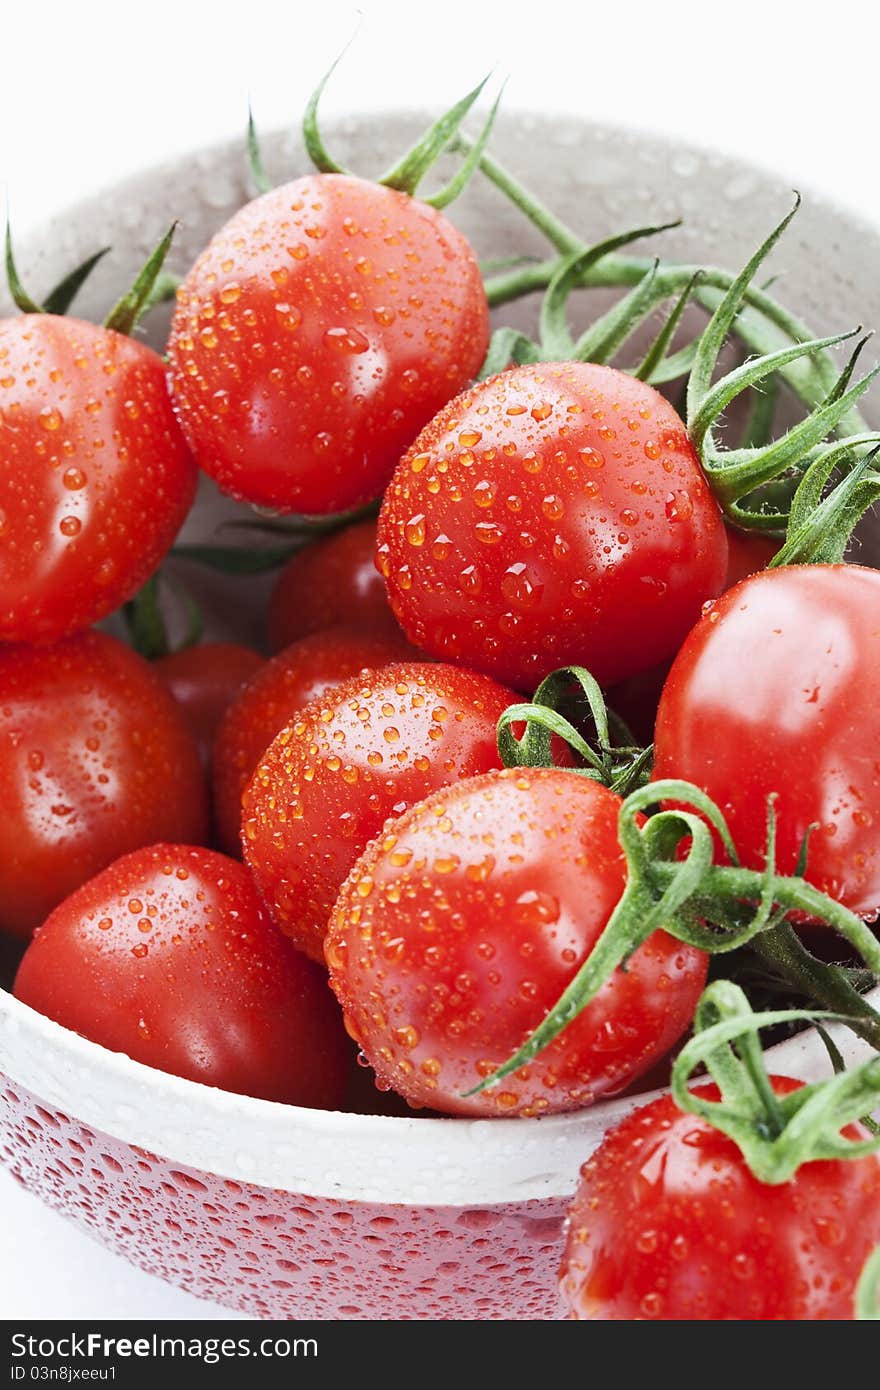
825,985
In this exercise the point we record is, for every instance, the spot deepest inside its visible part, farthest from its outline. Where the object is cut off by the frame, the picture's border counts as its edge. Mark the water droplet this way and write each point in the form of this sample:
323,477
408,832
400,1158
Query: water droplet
414,530
534,908
347,340
519,589
50,418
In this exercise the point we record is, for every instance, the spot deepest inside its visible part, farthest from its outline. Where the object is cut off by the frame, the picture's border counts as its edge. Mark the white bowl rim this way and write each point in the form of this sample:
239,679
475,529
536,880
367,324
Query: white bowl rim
331,1154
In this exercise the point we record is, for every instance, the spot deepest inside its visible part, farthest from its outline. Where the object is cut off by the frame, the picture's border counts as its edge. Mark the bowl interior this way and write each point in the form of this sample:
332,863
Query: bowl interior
601,180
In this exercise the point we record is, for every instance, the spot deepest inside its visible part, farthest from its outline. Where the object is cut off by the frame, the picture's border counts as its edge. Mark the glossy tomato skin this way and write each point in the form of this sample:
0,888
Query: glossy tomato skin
323,326
669,1223
204,681
169,956
95,759
554,514
774,693
329,583
95,476
364,751
460,927
268,702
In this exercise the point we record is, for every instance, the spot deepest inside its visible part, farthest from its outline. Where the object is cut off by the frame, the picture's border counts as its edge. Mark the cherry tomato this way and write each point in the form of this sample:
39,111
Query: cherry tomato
774,693
670,1223
461,925
169,956
747,554
95,477
323,326
95,759
272,698
552,515
328,583
365,750
204,681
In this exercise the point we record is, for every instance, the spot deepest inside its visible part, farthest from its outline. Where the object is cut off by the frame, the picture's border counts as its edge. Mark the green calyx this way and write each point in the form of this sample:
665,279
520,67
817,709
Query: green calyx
674,884
408,172
775,1133
756,482
614,759
153,285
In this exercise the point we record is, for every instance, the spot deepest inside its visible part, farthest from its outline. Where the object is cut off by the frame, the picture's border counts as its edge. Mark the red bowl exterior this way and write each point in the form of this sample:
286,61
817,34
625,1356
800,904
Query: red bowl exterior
277,1254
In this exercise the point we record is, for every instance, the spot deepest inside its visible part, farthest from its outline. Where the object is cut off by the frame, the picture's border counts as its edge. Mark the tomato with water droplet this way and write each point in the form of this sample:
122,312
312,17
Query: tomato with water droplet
95,476
323,326
96,758
364,751
555,514
273,696
669,1223
462,924
170,957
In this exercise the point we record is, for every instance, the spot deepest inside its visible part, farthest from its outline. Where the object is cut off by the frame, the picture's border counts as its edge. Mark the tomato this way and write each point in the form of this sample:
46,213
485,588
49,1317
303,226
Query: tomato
323,326
460,927
331,582
774,693
169,956
365,750
747,554
95,759
204,681
95,477
670,1223
272,698
553,515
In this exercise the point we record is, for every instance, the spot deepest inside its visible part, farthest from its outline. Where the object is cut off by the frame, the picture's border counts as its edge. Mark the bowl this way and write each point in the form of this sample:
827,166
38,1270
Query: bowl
284,1212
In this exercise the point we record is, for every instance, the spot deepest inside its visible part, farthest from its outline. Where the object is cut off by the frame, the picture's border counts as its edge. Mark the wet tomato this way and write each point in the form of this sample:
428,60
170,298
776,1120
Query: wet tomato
364,751
95,477
271,699
670,1223
774,694
323,326
552,515
204,681
462,924
96,759
329,583
169,956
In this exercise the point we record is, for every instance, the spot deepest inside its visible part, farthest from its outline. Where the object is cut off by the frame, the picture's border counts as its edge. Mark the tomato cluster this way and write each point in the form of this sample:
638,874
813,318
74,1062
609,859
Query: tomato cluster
399,882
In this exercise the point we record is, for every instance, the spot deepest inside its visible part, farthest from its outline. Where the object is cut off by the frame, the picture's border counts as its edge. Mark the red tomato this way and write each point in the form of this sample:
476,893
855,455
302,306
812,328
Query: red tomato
272,698
328,583
204,681
553,515
775,692
319,331
95,477
747,554
95,759
670,1223
460,927
169,956
364,751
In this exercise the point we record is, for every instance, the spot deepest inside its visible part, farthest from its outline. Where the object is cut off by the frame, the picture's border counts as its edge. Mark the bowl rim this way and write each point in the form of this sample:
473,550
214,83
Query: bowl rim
398,1160
411,1161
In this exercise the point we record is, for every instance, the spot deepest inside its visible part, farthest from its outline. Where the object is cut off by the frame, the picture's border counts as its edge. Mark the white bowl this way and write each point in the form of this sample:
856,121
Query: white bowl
290,1212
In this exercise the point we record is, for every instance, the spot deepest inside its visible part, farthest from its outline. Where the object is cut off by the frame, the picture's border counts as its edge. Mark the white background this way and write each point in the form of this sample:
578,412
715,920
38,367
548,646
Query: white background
92,91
